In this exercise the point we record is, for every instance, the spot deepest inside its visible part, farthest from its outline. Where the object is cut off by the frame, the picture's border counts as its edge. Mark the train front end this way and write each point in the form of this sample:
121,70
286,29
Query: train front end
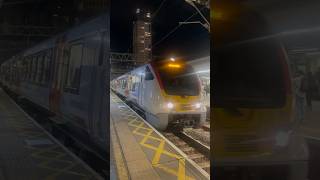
180,99
253,100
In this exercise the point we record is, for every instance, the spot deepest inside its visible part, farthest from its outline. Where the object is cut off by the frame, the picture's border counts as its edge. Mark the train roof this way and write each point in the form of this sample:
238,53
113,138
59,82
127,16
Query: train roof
100,23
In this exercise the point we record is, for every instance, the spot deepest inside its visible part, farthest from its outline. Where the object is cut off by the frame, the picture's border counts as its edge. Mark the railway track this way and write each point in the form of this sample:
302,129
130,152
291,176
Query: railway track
199,134
194,149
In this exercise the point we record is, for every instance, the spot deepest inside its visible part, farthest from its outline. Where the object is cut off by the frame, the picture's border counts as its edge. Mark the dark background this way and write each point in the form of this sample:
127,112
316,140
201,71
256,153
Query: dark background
24,23
190,41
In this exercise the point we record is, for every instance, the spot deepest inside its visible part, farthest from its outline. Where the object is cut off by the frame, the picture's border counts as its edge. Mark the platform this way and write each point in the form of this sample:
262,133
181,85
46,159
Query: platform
310,126
140,152
28,152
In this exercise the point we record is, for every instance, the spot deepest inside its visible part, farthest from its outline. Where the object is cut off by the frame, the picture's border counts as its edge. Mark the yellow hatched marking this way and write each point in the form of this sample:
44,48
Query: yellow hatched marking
159,151
138,125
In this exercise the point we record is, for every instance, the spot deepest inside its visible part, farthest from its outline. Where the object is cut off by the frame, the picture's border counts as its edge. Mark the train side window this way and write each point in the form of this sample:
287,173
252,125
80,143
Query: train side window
74,67
40,68
34,68
24,68
148,75
47,66
30,61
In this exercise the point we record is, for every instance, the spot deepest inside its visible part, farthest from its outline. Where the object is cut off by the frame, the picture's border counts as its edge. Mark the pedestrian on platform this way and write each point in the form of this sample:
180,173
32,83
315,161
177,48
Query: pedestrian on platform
311,89
300,87
207,89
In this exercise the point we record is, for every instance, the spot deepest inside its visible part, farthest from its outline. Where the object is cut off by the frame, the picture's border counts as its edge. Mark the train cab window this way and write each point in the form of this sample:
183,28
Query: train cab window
74,67
181,81
249,70
148,75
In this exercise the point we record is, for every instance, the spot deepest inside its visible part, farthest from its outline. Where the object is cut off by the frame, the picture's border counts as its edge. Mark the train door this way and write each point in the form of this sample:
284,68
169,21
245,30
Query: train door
148,88
141,90
57,85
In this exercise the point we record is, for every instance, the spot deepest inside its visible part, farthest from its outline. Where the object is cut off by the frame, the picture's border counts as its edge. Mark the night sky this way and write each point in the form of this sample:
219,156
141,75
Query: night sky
189,41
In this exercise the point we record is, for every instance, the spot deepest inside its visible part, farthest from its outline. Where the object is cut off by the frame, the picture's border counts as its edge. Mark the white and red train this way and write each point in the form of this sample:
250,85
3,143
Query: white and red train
169,92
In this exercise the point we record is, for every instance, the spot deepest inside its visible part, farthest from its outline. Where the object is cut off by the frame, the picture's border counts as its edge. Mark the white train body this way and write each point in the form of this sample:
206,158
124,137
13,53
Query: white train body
168,93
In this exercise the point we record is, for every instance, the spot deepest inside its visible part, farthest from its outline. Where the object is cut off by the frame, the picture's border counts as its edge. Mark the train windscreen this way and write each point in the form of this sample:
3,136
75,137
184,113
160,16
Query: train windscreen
180,81
248,62
249,75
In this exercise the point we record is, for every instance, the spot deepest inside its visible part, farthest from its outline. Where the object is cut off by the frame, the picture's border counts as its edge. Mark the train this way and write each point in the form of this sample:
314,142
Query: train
167,91
66,76
254,124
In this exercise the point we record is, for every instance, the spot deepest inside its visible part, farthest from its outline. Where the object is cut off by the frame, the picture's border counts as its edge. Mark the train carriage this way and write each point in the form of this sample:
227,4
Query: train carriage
169,92
66,76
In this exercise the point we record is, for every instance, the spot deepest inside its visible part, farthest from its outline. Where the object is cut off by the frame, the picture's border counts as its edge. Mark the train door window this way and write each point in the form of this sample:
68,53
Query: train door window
124,85
134,86
148,74
74,67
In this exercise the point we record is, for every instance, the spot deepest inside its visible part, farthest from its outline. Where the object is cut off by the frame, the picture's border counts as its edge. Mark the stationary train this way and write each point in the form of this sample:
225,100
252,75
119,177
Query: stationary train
168,92
253,124
66,76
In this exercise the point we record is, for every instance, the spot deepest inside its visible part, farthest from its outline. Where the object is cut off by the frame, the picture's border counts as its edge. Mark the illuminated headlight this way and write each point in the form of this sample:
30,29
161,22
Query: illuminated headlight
198,105
170,105
282,139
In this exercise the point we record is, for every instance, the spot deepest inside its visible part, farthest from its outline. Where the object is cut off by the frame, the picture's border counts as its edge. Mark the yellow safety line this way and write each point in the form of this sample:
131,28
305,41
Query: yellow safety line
119,160
159,150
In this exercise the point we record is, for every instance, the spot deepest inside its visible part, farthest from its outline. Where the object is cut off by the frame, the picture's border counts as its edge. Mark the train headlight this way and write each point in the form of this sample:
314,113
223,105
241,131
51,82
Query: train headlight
170,105
198,105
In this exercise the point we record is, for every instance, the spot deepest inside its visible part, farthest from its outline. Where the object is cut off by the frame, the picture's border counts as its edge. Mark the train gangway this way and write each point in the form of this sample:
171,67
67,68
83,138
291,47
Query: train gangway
141,152
29,152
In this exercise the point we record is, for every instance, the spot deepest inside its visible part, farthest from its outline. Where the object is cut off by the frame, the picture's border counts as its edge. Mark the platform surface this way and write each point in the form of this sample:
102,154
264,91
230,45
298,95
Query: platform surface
140,152
28,153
